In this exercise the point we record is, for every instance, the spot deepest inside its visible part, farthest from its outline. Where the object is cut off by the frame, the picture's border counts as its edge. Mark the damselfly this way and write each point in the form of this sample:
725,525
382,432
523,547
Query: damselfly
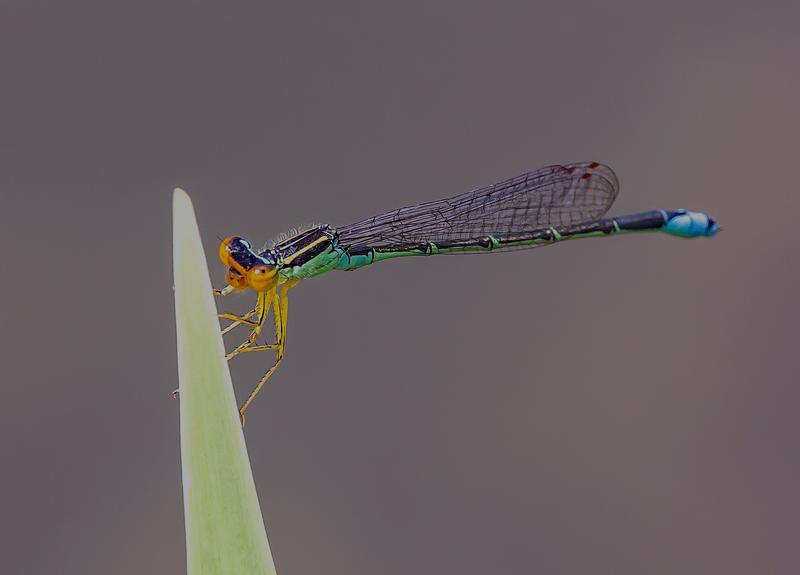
535,209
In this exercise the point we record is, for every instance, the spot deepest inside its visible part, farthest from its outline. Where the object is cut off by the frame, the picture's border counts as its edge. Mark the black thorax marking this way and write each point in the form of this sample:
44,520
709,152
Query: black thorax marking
303,247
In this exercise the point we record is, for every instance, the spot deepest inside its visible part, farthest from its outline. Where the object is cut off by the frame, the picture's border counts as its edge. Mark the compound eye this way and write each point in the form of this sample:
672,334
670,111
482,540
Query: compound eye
224,251
234,251
237,244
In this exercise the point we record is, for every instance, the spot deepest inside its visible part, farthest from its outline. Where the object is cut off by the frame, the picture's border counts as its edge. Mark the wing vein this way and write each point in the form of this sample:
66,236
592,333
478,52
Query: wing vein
555,196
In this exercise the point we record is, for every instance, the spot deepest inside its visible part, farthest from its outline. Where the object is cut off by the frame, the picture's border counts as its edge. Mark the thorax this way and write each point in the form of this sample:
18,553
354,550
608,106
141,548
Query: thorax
306,254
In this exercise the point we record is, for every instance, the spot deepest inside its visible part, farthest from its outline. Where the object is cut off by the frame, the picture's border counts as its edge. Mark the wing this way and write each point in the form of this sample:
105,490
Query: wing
557,196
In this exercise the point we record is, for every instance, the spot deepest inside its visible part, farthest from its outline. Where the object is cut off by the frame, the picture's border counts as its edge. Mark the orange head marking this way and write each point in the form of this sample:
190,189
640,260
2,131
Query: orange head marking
246,269
262,277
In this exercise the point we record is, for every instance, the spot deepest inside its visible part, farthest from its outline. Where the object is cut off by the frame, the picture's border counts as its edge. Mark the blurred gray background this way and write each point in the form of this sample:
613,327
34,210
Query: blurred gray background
617,406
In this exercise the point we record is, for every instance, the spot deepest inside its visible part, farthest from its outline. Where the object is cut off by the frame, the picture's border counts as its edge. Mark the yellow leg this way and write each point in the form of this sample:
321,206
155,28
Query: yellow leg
264,347
262,309
281,307
238,320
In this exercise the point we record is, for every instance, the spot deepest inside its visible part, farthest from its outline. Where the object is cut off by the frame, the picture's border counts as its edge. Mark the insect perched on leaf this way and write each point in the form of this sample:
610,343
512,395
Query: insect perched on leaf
535,209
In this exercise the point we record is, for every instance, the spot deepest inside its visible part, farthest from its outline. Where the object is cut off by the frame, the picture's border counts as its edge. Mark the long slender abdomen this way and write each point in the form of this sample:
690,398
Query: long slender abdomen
680,223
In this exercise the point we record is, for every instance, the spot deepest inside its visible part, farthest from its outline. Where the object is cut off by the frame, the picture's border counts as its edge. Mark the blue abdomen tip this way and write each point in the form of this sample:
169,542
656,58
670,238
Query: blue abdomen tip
688,224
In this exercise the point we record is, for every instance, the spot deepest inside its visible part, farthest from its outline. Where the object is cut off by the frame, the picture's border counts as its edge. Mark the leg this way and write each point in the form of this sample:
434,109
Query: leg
238,320
281,306
276,310
264,347
262,309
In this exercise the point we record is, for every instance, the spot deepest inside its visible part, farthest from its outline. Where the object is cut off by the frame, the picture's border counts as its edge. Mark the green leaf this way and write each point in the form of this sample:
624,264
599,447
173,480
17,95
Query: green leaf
225,532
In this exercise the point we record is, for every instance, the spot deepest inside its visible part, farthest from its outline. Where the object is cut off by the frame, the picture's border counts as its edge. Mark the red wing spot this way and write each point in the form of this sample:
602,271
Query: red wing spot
586,176
593,165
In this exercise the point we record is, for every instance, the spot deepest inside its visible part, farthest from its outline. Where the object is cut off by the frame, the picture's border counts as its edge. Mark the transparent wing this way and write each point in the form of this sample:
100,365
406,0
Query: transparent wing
558,196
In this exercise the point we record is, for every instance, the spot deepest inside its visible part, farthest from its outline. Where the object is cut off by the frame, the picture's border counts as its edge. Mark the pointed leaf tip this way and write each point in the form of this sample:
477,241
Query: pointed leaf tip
225,532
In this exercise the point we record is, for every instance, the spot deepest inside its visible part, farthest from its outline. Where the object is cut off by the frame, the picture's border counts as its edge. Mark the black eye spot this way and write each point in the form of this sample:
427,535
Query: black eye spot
240,243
